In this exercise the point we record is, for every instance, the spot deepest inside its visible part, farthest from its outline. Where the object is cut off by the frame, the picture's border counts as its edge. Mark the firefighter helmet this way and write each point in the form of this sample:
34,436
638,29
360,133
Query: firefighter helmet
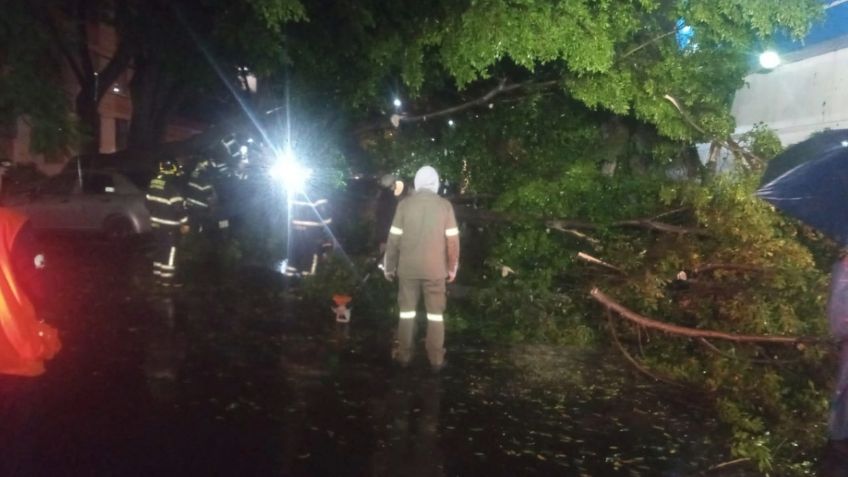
168,166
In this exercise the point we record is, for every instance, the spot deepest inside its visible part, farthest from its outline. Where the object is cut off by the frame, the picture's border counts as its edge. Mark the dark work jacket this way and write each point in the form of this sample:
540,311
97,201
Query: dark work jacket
166,203
386,205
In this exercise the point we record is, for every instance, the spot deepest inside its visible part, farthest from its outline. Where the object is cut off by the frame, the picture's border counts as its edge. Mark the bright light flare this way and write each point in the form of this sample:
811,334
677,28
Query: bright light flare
291,174
769,59
397,102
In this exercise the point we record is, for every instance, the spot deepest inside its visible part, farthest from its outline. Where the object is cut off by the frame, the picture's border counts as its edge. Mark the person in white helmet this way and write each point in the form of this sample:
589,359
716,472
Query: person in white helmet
423,253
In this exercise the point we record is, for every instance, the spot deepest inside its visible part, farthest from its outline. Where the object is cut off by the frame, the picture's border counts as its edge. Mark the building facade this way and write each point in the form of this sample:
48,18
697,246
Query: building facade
115,110
808,91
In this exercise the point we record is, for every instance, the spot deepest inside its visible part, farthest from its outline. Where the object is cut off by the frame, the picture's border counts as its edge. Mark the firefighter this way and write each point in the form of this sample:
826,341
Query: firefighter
391,193
201,195
169,220
230,150
310,220
423,253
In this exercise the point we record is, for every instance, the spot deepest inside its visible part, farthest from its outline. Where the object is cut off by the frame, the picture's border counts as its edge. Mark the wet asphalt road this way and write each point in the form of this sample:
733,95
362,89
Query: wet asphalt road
248,380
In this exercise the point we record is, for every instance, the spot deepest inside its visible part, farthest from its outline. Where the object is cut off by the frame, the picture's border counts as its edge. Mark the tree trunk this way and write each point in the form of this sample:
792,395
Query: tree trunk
86,108
143,133
155,96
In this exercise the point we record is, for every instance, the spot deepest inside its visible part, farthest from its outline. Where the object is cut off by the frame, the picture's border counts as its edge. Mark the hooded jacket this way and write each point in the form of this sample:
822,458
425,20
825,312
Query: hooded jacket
424,238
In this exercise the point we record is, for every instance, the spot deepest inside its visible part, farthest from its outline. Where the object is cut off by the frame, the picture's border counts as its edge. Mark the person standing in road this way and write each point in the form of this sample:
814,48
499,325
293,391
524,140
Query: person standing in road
423,253
309,240
391,193
200,197
168,219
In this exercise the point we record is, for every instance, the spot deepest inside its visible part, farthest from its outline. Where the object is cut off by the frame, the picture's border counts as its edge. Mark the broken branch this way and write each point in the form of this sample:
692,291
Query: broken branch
729,143
723,354
712,267
588,258
636,364
678,330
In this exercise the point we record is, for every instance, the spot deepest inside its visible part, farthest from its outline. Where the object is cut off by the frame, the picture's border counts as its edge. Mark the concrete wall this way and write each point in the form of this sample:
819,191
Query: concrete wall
797,98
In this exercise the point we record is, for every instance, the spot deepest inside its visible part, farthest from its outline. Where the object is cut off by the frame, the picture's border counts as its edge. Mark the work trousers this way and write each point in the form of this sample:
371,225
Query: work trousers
305,245
165,257
435,300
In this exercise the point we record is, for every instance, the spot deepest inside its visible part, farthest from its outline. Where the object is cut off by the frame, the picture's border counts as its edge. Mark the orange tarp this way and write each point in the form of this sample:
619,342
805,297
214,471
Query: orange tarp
25,342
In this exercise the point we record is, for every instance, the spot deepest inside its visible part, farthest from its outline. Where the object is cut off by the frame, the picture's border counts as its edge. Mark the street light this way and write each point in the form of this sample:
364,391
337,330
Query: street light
397,103
769,59
292,175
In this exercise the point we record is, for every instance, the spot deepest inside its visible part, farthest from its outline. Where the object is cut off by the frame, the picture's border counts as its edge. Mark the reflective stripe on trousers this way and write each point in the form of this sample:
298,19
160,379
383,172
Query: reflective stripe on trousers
410,292
165,257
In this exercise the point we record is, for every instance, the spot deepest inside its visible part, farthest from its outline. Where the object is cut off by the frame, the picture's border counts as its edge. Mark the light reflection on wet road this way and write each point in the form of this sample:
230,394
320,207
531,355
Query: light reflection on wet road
243,381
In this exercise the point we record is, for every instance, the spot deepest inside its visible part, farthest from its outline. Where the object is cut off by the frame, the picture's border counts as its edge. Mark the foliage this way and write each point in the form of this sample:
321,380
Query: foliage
761,141
607,151
183,54
29,82
373,296
550,158
602,145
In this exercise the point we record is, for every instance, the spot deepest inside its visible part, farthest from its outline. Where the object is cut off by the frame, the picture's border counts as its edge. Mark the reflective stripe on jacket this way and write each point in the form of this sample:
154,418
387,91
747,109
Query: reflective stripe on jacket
424,238
201,190
165,202
306,213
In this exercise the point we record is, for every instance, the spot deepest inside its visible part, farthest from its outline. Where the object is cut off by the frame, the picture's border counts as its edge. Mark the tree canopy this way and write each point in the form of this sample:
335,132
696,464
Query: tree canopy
570,123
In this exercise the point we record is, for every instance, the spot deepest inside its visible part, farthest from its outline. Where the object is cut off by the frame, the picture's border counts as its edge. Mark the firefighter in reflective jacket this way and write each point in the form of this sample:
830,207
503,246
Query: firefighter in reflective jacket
168,219
423,252
230,151
201,195
309,222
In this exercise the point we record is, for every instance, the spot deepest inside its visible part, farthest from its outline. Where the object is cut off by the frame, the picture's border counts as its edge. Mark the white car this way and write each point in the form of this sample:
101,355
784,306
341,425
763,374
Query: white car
88,201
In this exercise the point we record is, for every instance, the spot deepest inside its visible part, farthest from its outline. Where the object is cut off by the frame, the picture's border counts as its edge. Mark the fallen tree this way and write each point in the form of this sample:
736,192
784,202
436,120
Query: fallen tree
684,331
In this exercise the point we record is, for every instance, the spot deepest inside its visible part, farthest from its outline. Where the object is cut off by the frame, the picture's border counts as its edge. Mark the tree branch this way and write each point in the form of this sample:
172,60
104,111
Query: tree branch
82,40
712,267
596,261
647,43
501,88
396,119
671,212
728,464
723,354
570,226
119,62
63,48
638,223
729,143
659,226
636,364
578,234
677,330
